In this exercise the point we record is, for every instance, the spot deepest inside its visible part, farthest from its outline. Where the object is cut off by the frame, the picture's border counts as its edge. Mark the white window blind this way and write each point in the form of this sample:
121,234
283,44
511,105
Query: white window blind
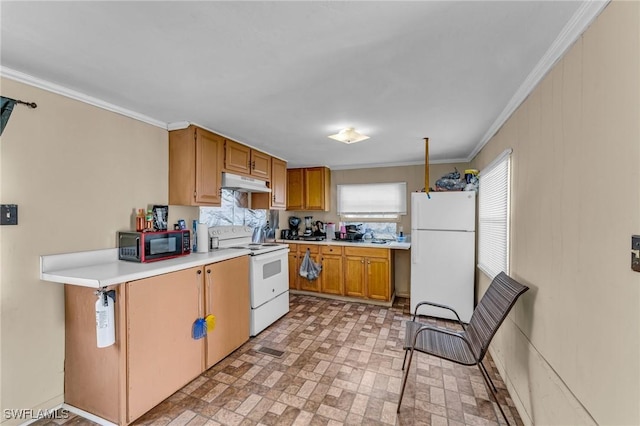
372,200
493,216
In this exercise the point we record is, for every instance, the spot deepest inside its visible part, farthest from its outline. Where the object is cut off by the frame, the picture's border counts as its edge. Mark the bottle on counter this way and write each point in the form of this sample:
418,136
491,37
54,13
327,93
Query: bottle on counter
149,226
141,221
401,238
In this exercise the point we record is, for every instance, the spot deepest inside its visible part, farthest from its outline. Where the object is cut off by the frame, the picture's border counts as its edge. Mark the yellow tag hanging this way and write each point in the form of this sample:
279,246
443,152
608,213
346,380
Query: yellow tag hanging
211,322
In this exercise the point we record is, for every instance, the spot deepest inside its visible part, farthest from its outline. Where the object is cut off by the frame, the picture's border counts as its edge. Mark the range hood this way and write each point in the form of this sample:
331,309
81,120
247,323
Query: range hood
243,183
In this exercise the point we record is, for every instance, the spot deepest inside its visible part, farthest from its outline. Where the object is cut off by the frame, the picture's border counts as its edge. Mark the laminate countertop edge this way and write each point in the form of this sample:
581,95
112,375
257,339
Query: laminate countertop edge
101,268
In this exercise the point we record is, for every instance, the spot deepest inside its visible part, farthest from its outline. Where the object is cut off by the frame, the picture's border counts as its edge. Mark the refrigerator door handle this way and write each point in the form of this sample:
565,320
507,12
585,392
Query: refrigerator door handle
415,252
415,213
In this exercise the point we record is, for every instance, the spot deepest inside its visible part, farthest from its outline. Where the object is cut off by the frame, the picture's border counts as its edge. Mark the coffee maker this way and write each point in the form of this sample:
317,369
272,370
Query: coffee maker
294,224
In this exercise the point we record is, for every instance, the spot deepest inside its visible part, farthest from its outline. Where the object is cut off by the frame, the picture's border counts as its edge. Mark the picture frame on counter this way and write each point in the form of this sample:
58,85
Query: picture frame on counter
160,216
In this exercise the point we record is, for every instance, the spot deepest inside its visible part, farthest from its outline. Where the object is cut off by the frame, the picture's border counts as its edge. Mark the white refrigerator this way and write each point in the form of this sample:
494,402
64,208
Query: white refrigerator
443,242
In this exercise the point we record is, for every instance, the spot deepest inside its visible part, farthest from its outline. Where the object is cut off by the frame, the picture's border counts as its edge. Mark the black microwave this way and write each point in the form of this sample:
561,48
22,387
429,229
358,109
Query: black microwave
152,246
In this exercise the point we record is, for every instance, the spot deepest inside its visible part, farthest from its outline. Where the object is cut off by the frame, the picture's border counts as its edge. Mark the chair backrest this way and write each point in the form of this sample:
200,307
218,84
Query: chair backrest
493,308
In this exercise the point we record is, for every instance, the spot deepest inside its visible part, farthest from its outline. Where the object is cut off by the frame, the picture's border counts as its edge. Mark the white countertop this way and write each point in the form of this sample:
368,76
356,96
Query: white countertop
394,245
101,268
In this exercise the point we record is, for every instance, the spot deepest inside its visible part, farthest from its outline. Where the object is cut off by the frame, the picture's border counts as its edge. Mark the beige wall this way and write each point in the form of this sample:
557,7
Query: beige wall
77,173
570,351
413,175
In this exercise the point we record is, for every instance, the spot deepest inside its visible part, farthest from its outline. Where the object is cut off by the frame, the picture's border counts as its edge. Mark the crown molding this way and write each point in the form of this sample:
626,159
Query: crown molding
78,96
577,25
178,125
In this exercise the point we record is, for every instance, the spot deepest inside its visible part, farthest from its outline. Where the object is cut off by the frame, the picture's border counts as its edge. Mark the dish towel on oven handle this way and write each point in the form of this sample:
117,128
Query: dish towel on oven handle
308,268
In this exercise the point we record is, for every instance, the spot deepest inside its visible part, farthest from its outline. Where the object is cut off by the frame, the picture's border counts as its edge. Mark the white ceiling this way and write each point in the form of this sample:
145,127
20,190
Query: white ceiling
282,76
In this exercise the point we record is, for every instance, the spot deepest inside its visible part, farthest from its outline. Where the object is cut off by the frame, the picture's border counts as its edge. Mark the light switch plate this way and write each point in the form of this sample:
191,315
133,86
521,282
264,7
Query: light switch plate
8,214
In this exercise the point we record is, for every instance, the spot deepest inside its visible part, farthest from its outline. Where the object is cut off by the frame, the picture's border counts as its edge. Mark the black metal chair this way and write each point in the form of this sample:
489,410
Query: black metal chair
467,347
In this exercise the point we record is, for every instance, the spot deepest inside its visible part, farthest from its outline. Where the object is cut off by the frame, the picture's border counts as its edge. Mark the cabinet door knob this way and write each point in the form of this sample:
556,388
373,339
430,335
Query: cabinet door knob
199,272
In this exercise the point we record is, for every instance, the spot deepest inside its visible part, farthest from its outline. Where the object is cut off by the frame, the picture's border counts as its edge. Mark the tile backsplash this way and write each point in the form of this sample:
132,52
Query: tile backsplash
234,211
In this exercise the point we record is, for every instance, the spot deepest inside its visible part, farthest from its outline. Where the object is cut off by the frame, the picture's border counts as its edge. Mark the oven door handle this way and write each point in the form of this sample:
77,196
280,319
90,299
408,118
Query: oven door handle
270,255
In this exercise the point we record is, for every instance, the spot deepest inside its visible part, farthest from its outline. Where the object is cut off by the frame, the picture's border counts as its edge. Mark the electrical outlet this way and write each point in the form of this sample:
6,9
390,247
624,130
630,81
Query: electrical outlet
8,214
635,253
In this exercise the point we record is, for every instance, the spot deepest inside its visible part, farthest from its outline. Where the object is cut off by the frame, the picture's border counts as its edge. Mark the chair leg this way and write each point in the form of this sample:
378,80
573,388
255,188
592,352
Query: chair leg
486,373
406,351
404,379
494,394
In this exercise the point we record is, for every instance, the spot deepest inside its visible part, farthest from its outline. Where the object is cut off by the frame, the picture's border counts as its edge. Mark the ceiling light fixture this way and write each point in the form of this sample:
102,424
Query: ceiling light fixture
349,135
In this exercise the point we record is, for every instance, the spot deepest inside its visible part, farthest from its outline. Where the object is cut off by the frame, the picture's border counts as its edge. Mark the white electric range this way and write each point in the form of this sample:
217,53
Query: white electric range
268,273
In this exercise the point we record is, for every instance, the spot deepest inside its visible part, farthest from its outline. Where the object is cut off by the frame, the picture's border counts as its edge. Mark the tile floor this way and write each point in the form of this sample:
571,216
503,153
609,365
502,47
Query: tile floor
341,365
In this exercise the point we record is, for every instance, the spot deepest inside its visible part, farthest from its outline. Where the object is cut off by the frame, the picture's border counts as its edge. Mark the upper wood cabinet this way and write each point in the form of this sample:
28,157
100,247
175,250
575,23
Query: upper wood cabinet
309,189
278,183
277,199
196,157
241,159
260,164
295,189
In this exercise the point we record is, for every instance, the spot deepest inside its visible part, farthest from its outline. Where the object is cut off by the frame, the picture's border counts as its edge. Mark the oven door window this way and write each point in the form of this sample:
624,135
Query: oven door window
271,269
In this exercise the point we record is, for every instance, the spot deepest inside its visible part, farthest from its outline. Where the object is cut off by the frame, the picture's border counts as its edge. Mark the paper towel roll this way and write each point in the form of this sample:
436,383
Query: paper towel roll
105,321
202,238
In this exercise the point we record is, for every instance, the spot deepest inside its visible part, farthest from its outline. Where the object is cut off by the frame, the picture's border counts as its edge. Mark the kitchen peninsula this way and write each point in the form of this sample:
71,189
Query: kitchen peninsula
156,349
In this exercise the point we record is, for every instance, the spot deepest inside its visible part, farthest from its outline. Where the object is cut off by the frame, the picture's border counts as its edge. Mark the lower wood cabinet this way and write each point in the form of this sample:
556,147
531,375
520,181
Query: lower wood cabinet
161,354
359,272
228,300
155,353
94,378
377,277
294,268
332,270
314,253
354,273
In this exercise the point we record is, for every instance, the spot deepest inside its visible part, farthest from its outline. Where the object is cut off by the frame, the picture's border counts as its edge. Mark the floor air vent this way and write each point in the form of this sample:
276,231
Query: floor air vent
272,352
